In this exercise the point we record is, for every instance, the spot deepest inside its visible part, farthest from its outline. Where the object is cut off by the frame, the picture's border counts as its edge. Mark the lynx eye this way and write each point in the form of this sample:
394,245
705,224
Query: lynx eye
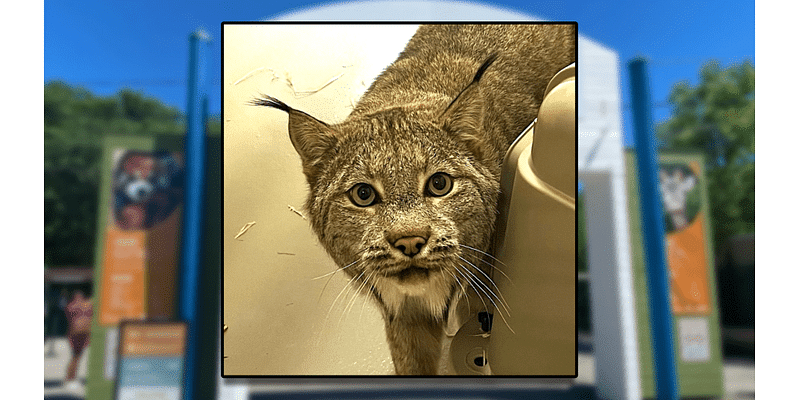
439,184
363,195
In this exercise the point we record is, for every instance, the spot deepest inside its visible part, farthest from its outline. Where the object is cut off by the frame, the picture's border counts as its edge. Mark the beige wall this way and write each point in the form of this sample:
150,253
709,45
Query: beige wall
279,320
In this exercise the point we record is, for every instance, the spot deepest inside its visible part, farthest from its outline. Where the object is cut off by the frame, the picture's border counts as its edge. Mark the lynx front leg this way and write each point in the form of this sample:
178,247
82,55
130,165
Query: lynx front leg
415,342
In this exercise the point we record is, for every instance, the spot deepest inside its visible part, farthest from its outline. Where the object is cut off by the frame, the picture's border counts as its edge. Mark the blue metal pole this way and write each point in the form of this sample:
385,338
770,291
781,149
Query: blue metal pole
191,249
653,233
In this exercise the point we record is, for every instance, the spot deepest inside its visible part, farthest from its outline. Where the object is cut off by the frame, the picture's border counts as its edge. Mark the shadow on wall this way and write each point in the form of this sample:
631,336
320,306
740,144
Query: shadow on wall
736,268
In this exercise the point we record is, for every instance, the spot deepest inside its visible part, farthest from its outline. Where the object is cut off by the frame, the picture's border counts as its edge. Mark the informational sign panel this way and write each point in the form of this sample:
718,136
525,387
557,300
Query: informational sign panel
147,191
696,331
151,360
123,282
695,343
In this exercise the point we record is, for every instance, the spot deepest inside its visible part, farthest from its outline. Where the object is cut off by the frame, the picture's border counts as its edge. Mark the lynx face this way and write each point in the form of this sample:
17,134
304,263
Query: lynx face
403,198
397,218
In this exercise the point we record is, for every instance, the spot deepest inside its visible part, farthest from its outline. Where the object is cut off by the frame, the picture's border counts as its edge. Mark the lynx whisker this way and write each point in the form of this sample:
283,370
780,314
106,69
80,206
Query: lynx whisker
361,314
470,283
463,289
340,269
331,274
486,289
345,303
482,252
323,289
488,263
356,292
499,311
346,287
331,277
502,298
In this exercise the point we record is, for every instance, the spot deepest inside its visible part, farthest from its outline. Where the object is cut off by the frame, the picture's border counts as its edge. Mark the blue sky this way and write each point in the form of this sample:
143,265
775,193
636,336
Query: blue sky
105,46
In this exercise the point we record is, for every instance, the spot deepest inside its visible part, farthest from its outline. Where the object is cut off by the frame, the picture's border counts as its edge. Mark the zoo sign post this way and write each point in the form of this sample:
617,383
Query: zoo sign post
692,293
139,225
158,245
653,232
672,258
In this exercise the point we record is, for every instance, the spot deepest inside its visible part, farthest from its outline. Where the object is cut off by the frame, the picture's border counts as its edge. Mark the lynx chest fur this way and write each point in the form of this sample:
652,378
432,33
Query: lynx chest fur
403,192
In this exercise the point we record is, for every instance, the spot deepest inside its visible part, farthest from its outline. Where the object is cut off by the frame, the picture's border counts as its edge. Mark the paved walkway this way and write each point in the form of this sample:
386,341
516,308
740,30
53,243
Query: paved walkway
739,378
57,354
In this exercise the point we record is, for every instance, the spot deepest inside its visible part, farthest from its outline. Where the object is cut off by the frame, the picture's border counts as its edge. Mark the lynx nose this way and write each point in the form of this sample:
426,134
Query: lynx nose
410,245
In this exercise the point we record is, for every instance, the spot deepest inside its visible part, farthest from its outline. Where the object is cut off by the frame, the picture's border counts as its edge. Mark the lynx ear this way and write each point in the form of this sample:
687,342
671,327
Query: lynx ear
464,116
310,137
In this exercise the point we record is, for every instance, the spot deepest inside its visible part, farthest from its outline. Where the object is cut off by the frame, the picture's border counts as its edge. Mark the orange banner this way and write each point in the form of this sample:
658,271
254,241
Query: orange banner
686,255
123,288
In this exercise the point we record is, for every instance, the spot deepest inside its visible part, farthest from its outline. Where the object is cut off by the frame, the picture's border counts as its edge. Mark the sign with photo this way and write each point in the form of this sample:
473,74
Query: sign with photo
145,206
690,264
685,240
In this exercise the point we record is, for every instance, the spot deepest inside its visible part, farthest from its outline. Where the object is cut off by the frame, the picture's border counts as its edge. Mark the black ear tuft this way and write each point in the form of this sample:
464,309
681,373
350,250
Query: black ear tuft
311,137
463,117
269,101
486,64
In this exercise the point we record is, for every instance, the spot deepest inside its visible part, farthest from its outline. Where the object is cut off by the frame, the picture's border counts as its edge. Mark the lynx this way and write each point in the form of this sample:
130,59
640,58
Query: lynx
403,192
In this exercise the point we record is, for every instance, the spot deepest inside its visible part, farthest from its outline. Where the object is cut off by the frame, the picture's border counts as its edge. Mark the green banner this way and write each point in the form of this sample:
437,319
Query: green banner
696,326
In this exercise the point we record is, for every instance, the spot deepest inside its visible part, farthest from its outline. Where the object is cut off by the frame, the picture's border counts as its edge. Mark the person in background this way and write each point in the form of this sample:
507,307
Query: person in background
79,319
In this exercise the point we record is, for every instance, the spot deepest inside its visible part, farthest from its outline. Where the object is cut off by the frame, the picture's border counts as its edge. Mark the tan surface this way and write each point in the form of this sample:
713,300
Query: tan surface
274,310
538,249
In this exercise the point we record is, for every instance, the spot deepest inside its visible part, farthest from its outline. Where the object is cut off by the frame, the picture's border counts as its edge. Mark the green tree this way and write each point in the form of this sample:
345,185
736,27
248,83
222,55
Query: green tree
75,122
717,117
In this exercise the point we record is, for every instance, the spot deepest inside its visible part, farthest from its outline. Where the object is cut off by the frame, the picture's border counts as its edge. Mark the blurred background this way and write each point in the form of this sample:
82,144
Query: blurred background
121,68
